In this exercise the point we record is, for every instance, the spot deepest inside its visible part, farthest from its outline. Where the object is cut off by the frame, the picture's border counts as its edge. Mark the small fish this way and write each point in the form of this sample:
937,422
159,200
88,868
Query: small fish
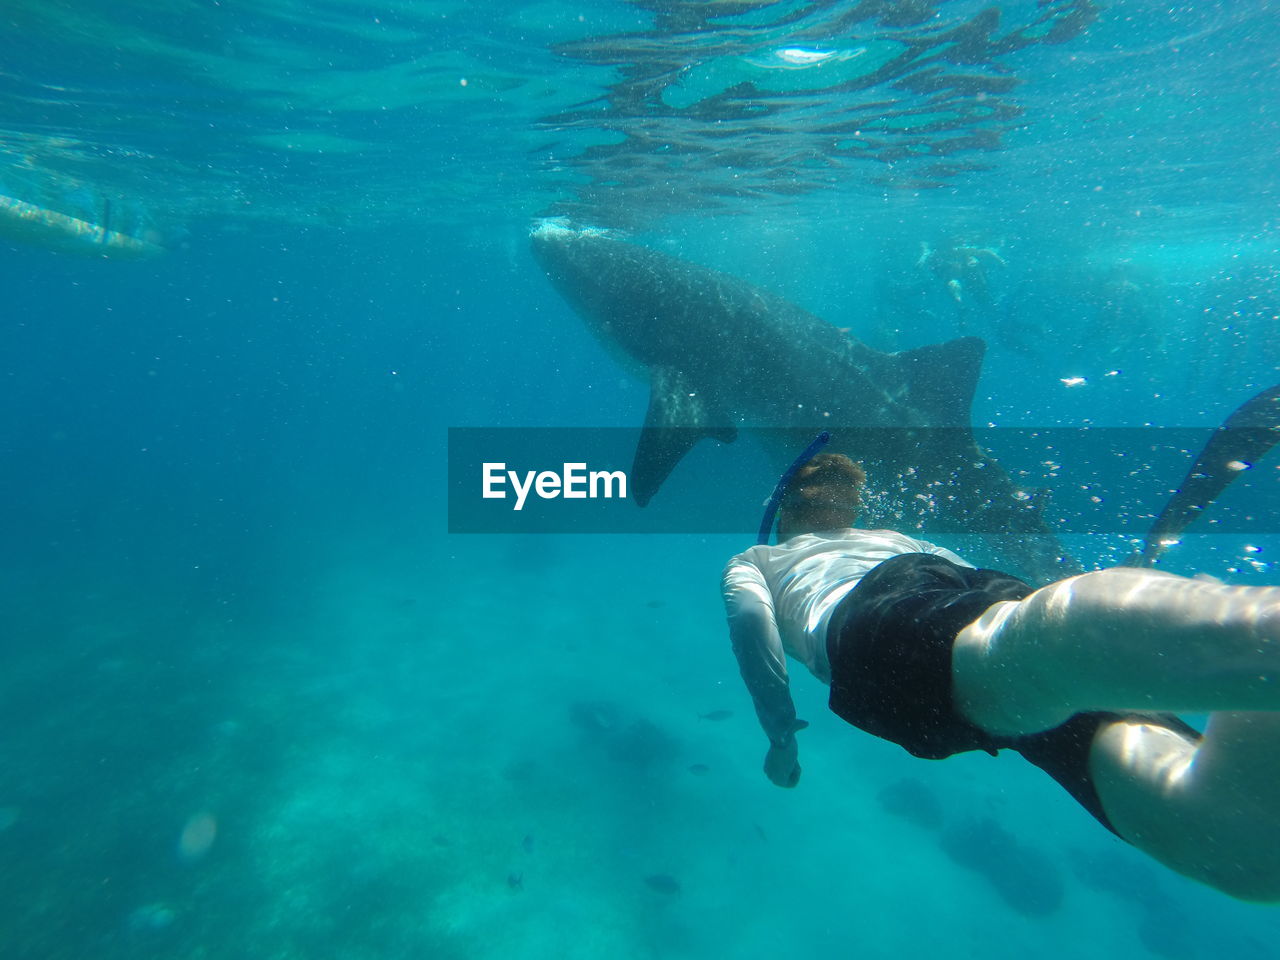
699,769
716,715
663,883
527,843
515,881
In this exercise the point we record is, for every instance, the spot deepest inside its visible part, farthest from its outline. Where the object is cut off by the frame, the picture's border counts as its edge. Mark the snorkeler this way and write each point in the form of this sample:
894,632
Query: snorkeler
922,649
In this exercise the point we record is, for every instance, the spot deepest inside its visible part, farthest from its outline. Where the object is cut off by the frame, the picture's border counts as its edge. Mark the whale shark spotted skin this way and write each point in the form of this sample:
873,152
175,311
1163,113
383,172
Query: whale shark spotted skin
722,356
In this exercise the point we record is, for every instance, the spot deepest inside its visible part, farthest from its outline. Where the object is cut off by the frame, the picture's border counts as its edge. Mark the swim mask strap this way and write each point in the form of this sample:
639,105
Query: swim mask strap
784,481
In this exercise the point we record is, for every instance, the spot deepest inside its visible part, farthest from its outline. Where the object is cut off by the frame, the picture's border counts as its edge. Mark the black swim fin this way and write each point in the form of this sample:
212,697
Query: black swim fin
1244,437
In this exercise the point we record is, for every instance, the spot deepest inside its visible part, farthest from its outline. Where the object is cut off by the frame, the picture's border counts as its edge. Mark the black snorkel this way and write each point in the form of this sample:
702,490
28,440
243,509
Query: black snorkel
784,481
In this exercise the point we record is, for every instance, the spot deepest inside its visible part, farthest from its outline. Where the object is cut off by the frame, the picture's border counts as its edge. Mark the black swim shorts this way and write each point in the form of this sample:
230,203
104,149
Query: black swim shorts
889,642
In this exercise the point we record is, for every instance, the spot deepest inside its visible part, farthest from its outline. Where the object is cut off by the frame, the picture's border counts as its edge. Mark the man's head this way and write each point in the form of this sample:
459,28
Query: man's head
824,495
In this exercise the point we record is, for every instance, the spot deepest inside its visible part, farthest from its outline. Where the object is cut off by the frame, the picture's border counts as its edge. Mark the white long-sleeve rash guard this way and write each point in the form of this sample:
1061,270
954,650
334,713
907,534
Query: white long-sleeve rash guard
779,600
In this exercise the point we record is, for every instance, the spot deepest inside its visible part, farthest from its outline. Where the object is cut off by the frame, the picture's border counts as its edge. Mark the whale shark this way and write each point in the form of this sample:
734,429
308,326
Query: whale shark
723,356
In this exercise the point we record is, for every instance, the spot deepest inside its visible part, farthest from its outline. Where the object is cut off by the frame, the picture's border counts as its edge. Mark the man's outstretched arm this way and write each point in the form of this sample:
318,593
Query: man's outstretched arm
753,630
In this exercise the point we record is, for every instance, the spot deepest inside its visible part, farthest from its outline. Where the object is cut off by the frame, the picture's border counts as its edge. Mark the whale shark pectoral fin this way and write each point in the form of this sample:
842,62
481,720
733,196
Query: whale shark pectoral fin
941,379
678,418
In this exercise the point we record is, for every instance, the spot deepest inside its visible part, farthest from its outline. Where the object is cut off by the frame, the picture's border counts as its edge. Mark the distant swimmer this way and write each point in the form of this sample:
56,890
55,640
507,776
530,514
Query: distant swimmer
962,267
1081,677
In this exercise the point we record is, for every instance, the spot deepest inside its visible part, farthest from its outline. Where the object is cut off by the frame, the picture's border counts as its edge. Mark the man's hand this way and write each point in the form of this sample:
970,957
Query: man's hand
782,763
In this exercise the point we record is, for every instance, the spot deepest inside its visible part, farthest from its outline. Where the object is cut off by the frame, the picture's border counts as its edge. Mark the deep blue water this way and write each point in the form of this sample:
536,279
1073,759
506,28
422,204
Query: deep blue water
228,592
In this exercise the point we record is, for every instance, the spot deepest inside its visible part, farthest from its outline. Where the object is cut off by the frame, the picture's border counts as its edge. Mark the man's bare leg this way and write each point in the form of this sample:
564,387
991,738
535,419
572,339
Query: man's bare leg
1209,811
1121,639
1140,640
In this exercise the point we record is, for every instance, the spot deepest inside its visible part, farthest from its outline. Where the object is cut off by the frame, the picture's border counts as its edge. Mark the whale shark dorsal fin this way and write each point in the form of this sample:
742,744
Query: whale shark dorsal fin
942,378
678,418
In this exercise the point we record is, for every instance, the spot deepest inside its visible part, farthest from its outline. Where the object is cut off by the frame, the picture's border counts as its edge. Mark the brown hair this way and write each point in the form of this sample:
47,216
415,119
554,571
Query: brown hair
825,494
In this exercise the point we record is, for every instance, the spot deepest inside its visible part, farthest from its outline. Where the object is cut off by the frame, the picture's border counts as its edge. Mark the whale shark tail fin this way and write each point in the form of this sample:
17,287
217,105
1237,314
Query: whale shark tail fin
941,379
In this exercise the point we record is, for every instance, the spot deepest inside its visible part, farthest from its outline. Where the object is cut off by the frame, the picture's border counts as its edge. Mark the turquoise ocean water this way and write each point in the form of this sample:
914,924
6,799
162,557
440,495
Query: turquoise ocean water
256,702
